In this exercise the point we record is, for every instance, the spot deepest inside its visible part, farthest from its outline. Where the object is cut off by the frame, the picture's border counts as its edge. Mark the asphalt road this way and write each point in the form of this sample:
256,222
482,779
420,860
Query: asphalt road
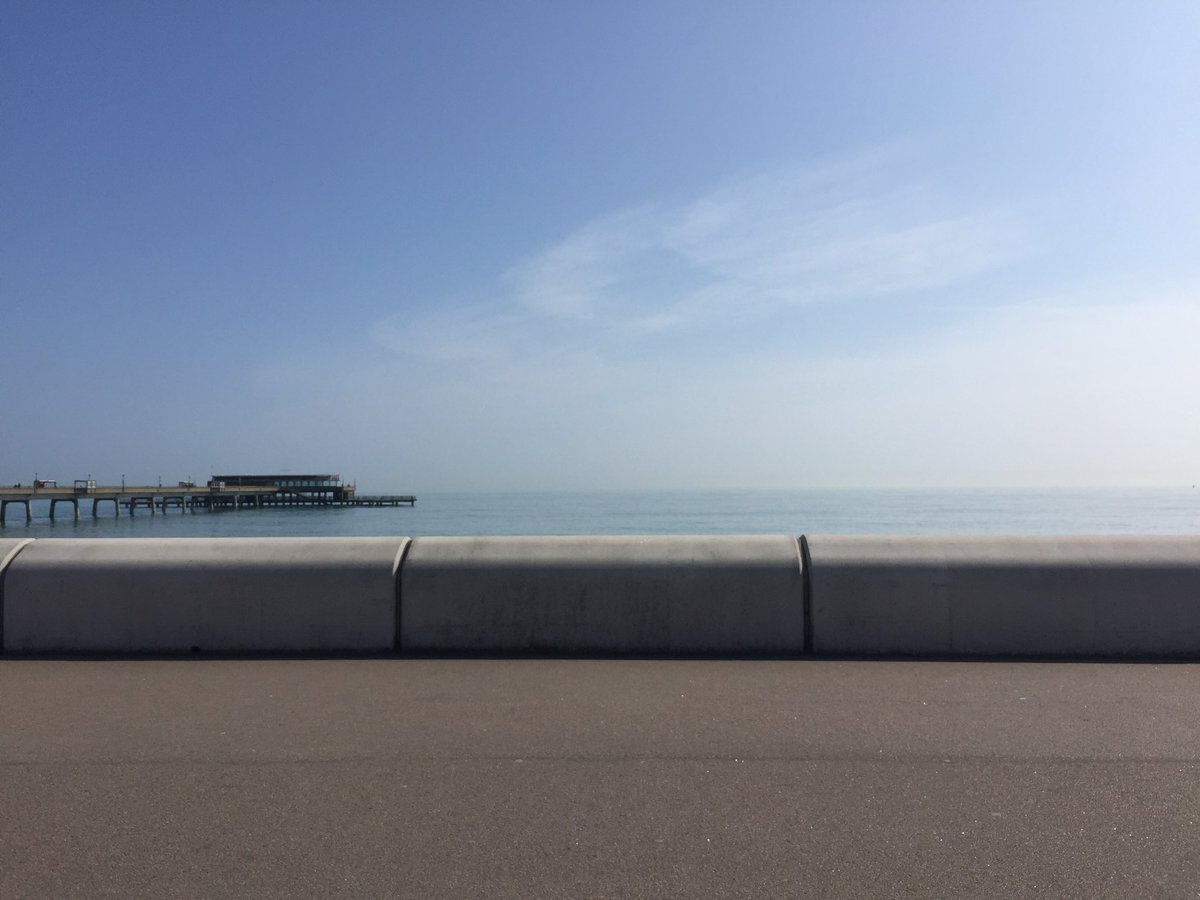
598,778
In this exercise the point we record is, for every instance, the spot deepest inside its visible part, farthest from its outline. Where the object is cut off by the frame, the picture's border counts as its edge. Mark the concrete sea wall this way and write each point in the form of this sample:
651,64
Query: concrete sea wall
753,595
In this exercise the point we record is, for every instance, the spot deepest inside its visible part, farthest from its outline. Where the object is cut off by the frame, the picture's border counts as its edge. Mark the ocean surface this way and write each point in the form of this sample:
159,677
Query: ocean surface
826,511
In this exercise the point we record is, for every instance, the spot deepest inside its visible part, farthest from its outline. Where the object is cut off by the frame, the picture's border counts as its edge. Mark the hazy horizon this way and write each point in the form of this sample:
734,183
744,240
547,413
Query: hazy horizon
625,247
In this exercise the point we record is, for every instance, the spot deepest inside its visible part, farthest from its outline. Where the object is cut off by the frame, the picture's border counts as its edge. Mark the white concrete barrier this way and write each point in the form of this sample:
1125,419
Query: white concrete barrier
130,595
1032,596
873,596
604,594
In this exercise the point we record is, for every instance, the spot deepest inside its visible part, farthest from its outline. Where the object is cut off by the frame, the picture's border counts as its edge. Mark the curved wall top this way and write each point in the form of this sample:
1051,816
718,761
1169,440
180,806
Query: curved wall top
9,548
1008,550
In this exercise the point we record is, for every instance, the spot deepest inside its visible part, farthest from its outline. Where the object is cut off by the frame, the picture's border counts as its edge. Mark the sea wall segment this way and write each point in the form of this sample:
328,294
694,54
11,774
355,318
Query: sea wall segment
764,595
1019,596
127,595
603,594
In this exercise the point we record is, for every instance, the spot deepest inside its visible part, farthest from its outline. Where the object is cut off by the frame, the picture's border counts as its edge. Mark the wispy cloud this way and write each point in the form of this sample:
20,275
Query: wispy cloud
758,245
740,252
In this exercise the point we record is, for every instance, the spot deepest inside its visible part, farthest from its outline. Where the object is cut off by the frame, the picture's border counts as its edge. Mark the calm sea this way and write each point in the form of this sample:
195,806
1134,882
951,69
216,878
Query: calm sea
951,511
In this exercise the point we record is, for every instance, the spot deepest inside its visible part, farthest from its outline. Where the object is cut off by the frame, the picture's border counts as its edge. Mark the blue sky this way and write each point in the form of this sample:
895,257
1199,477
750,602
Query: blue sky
552,245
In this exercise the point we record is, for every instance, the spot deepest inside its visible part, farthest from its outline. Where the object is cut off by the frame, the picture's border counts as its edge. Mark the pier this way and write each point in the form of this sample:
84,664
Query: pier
222,493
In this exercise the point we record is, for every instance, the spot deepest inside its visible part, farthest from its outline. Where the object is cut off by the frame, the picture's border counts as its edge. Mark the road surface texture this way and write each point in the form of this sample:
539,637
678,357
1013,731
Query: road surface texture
597,778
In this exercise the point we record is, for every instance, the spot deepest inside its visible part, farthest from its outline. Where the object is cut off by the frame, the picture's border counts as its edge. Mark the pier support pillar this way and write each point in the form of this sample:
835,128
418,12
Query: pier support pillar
116,502
135,502
4,510
74,501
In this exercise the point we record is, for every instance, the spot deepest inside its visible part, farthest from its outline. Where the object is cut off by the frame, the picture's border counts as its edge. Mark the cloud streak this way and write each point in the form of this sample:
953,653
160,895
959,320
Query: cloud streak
739,254
756,247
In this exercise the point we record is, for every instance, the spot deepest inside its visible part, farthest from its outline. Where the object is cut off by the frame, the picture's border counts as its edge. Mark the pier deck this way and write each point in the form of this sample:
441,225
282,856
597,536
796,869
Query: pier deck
161,498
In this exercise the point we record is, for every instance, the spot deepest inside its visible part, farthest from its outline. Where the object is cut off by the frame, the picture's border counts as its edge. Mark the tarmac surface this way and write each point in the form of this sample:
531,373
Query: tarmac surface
598,778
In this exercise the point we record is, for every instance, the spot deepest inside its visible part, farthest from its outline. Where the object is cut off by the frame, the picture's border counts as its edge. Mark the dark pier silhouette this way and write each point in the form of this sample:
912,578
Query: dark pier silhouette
222,492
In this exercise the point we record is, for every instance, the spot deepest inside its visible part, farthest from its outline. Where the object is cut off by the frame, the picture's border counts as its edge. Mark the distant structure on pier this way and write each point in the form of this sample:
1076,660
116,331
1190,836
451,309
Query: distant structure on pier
304,489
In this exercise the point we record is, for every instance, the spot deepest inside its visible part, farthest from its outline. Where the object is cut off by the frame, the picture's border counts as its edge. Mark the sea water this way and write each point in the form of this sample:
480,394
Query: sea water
825,511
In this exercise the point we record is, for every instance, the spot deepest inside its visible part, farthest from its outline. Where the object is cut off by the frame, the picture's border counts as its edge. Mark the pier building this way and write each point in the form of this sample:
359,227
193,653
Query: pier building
300,489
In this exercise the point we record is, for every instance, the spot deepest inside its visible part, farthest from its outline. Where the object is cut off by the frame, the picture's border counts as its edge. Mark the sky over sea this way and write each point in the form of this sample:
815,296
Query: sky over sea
627,246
